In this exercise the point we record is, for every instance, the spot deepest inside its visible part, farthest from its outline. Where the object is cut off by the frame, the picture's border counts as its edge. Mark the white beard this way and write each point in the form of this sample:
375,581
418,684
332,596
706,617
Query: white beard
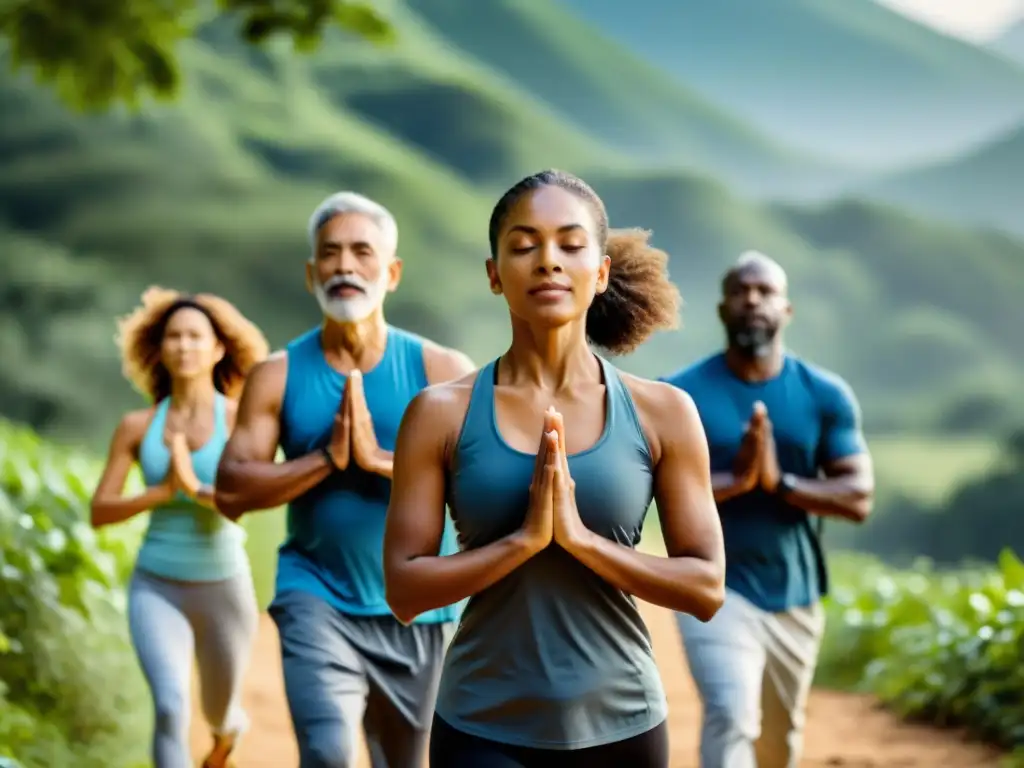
351,309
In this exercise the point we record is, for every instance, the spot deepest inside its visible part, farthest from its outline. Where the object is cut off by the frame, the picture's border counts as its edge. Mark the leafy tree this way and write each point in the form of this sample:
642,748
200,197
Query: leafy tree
100,53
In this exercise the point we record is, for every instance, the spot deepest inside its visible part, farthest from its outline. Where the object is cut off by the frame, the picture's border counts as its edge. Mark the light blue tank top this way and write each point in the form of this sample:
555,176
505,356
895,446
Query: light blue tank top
335,539
552,656
185,540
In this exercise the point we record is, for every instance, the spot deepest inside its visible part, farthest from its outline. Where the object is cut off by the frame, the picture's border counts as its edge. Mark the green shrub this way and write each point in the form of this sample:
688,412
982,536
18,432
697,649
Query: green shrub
943,647
72,693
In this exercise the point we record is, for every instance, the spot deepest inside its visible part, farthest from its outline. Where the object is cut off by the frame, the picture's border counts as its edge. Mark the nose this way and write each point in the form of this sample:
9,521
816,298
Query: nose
548,258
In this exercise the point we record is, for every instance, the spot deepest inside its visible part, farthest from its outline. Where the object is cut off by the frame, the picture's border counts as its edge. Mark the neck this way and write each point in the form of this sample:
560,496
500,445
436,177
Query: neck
550,358
756,367
356,345
192,395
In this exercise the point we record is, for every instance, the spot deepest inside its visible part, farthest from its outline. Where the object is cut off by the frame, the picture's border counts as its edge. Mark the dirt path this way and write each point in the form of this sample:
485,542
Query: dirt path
843,731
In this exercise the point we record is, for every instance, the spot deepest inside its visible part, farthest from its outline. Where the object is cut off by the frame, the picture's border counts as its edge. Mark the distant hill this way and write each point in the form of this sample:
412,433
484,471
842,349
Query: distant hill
214,192
984,186
847,78
606,91
1011,43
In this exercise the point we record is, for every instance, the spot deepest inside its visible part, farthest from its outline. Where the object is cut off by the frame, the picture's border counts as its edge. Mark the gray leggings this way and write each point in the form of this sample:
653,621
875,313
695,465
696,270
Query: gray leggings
173,621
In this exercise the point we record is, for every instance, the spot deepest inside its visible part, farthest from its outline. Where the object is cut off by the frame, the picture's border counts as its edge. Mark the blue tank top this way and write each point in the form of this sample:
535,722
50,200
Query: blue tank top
186,541
335,539
552,656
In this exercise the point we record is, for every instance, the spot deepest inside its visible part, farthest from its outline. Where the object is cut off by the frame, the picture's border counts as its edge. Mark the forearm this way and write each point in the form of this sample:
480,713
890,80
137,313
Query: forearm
207,497
385,463
850,497
244,486
117,510
689,585
725,486
421,584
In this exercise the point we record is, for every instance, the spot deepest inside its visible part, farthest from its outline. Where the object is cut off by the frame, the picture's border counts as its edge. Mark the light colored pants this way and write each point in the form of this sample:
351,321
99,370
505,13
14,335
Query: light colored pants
171,623
753,670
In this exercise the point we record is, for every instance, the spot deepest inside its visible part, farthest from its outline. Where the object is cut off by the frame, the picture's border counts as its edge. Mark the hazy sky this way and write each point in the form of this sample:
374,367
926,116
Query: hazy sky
973,19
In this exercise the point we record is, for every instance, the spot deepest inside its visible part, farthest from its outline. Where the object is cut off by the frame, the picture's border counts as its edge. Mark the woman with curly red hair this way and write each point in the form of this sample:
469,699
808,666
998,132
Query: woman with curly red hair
191,594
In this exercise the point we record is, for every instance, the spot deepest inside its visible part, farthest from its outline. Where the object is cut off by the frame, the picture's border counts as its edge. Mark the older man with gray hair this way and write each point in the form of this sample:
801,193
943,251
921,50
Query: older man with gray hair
332,400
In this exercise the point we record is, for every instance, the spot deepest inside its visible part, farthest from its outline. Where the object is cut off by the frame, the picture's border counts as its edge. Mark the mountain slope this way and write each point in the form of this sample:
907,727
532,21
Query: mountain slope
606,91
848,78
984,186
214,192
1011,43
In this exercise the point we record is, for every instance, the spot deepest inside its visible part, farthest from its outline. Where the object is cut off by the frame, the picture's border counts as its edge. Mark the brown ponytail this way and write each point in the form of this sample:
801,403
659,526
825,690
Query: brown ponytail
640,298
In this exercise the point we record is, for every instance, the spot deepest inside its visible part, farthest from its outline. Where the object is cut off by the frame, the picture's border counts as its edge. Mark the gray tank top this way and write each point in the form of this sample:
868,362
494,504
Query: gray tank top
552,656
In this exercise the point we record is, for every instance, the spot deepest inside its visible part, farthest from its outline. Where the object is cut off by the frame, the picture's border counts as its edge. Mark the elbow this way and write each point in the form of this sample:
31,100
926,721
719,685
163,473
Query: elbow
96,517
227,504
709,596
398,598
862,505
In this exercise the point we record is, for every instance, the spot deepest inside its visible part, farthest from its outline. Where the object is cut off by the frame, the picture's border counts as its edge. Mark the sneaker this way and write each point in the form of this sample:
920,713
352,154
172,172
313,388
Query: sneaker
220,755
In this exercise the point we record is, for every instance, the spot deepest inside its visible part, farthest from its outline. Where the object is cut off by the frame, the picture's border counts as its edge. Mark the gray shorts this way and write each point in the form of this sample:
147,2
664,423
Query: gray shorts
340,670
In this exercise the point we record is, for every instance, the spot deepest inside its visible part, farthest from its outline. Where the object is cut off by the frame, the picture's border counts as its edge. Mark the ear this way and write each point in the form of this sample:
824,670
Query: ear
604,273
721,312
394,274
218,353
787,314
492,277
310,278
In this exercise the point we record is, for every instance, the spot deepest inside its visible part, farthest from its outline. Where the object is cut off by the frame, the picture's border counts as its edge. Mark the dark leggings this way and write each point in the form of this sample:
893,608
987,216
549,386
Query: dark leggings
450,748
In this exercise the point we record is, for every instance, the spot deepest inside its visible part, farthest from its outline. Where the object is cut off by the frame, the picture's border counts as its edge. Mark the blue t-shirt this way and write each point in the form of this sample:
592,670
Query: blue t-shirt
773,555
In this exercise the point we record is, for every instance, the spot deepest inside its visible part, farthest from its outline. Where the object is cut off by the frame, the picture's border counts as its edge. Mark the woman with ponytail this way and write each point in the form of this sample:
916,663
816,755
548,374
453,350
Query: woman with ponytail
549,458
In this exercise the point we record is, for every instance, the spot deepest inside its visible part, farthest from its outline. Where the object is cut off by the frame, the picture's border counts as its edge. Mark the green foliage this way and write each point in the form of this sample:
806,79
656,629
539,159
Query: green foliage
943,647
100,53
72,693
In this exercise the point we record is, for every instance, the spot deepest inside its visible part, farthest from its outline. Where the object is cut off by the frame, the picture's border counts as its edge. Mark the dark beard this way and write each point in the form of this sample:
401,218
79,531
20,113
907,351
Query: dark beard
752,342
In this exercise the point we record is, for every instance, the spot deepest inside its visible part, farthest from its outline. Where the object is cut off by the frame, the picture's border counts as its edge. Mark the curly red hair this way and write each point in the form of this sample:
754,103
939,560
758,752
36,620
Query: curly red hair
140,336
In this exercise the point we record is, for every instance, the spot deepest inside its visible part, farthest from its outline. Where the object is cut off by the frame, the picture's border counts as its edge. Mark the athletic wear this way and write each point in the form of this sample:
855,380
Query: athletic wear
450,748
185,540
336,529
773,556
343,650
552,656
174,622
341,671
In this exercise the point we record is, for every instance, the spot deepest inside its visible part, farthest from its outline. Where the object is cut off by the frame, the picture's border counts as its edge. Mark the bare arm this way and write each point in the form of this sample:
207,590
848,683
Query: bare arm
846,491
726,485
248,477
108,506
442,365
692,578
417,579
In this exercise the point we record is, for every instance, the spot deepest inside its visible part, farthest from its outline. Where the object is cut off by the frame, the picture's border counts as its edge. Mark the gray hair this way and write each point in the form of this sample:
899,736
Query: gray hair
353,202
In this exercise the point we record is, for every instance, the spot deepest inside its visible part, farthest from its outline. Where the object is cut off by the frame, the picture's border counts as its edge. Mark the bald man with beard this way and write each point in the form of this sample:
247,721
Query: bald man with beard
787,451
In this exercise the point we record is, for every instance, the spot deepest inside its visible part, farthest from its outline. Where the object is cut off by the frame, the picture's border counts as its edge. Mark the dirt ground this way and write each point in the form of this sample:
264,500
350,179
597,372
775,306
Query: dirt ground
843,731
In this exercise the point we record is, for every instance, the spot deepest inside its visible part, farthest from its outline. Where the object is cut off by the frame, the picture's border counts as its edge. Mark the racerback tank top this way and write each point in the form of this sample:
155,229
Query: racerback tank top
186,541
552,656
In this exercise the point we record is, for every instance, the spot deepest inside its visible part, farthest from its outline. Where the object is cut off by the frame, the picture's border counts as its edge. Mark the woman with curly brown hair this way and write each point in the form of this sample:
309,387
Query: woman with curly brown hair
191,594
552,664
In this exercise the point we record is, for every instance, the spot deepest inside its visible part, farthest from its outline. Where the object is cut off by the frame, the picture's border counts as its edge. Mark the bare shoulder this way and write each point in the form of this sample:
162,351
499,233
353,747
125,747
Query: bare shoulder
133,426
444,363
668,414
265,384
437,412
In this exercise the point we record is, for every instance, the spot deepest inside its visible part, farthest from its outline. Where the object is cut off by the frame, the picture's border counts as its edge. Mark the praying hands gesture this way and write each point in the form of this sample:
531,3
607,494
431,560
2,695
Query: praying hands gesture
353,437
757,462
552,514
181,476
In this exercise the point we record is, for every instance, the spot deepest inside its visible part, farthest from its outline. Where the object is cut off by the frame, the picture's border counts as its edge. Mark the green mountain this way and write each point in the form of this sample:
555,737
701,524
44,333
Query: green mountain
214,192
614,95
982,186
848,78
1011,43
